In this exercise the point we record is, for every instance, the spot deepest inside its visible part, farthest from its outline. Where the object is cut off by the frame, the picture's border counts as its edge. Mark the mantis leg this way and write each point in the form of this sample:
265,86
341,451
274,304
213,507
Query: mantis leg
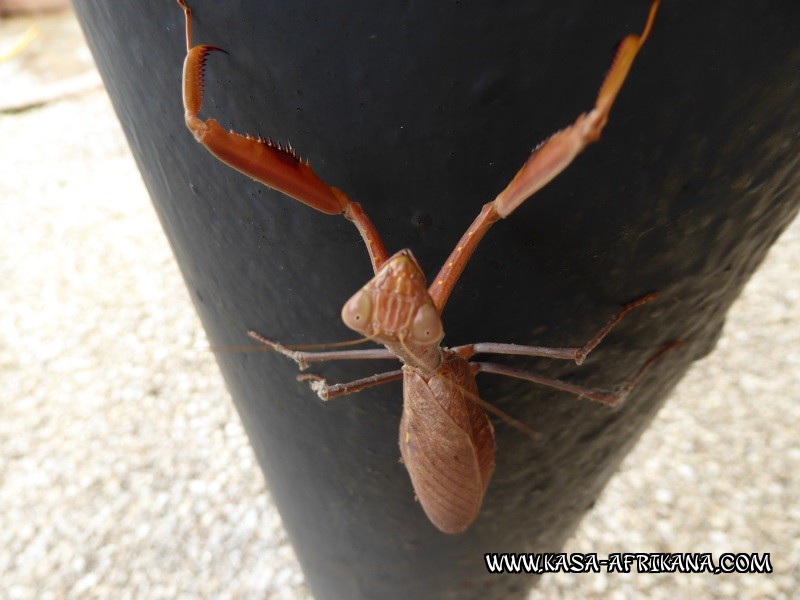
275,165
576,354
603,396
546,161
303,358
326,391
323,389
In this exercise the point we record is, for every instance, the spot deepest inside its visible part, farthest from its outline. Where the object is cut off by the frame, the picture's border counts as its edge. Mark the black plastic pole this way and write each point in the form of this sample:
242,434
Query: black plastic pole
422,112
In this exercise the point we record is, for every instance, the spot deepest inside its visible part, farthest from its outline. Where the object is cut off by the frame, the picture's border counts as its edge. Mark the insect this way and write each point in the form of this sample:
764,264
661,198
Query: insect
446,439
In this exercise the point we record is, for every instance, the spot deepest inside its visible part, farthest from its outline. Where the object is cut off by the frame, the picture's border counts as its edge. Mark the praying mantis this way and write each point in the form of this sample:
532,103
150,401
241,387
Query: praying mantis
446,439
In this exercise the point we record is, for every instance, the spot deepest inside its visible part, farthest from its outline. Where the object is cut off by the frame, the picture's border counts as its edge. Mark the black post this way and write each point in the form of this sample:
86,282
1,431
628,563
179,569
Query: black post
422,112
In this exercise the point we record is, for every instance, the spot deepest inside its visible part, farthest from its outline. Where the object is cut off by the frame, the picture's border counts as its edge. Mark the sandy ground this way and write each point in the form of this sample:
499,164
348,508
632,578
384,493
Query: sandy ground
124,471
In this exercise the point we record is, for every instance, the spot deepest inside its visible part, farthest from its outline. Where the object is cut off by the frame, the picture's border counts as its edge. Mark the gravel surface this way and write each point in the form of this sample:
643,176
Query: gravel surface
124,470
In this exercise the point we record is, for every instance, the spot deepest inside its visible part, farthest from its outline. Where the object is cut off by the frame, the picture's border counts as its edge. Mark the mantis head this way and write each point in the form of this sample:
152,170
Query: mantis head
394,307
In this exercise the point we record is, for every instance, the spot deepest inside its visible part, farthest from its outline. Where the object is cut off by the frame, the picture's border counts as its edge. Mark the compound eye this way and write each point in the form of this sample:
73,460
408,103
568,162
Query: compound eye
357,312
427,326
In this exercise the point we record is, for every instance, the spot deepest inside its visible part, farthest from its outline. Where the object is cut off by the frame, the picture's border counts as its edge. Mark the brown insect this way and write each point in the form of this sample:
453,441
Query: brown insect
446,439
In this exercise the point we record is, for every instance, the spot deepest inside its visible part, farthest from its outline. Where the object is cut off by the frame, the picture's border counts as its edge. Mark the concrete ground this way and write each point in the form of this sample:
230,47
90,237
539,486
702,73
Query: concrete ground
124,471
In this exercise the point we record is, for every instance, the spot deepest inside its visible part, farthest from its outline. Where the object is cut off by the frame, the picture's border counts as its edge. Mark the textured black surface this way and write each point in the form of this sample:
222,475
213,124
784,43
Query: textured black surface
422,112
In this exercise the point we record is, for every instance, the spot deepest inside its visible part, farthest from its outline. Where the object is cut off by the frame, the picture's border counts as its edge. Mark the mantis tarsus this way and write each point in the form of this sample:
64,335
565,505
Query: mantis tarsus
446,439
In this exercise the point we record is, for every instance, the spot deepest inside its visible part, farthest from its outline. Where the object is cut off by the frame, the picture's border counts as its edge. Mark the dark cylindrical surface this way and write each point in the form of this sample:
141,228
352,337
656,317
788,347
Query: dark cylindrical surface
422,112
